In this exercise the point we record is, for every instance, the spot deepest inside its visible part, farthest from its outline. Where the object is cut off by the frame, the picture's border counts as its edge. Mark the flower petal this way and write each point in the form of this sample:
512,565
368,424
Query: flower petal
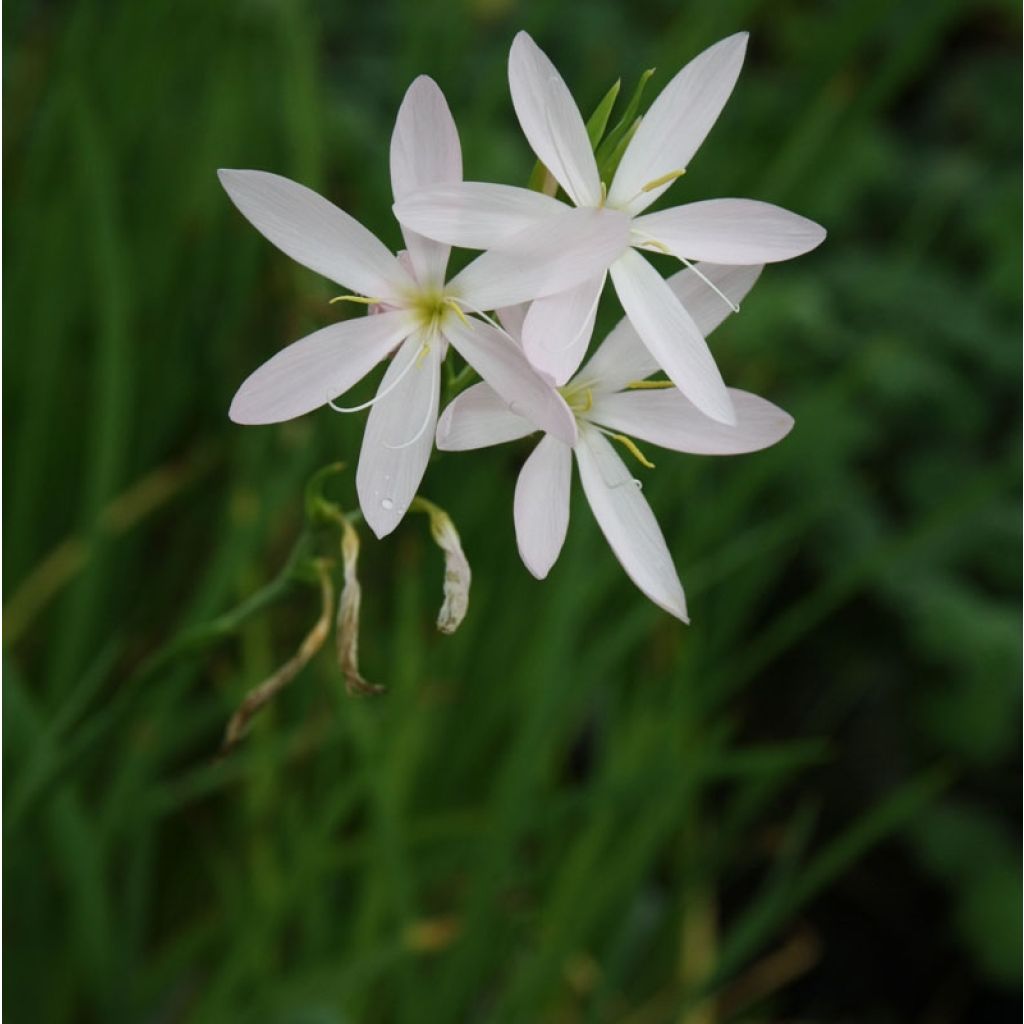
311,372
479,418
425,151
399,436
551,121
669,420
677,123
550,257
503,365
627,522
541,508
738,231
557,329
669,332
512,319
474,214
315,233
622,357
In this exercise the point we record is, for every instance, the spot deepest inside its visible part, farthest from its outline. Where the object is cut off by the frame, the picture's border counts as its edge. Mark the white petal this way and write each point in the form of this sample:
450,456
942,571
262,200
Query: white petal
541,507
503,365
311,372
667,419
677,123
399,436
315,233
479,418
474,214
425,151
671,335
551,121
622,357
627,522
557,329
551,257
739,231
512,318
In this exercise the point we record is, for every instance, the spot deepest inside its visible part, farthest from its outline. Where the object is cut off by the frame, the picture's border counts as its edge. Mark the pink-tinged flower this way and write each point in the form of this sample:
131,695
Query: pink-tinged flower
612,401
414,309
725,231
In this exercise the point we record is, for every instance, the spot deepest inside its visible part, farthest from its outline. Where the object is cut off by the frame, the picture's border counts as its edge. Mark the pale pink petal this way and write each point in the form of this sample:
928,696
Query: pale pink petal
738,231
315,370
541,508
622,357
627,522
551,257
475,215
677,123
551,121
399,435
479,418
503,365
512,318
670,334
315,233
669,420
557,329
424,151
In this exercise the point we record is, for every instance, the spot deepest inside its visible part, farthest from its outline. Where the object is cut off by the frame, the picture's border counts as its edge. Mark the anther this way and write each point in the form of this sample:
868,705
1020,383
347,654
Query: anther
630,445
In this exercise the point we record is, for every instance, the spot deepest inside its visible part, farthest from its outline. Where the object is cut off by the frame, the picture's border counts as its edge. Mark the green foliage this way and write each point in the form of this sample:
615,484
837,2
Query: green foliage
573,809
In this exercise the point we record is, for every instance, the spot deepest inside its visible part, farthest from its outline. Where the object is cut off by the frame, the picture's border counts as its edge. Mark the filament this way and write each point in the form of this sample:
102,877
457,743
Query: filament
435,382
714,287
380,394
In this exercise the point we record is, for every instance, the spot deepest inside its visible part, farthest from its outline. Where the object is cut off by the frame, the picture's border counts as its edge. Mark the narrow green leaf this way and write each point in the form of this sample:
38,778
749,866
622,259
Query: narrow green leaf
616,139
599,118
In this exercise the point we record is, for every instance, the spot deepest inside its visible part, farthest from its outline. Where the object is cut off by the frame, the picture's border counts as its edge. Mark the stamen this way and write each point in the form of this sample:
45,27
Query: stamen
604,196
480,313
653,243
630,445
380,394
435,383
663,180
361,299
711,284
649,385
454,304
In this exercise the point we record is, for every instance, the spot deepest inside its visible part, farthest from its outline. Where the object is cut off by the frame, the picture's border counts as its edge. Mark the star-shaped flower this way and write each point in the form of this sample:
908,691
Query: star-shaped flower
412,307
613,401
725,231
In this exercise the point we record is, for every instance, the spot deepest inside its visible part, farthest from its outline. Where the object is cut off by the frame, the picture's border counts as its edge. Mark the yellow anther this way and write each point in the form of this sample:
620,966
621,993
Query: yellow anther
653,243
361,299
454,303
630,445
649,385
663,180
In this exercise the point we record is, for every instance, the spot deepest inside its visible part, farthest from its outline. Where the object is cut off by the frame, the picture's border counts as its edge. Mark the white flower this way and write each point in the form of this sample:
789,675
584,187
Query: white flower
413,307
608,404
726,231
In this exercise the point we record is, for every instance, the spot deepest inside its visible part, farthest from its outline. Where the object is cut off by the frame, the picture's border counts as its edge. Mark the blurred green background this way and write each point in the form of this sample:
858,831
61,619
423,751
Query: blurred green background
802,807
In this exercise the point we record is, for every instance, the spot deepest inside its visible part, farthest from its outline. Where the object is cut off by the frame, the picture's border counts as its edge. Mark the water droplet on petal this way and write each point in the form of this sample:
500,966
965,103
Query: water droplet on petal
387,504
638,484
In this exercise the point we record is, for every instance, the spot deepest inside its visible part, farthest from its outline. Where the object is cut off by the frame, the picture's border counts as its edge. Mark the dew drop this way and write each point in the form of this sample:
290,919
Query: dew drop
638,484
387,504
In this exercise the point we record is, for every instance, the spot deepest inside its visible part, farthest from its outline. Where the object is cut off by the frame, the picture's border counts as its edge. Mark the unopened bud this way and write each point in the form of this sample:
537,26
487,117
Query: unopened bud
346,631
457,574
